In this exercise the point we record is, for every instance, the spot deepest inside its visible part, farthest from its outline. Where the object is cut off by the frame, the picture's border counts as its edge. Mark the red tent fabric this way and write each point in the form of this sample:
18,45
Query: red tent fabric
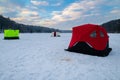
94,35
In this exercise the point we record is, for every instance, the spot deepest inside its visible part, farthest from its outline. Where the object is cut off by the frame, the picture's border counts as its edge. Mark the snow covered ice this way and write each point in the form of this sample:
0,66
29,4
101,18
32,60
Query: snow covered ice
42,57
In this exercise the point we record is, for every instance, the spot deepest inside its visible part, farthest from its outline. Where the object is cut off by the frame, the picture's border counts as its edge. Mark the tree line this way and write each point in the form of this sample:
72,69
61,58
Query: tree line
112,26
7,23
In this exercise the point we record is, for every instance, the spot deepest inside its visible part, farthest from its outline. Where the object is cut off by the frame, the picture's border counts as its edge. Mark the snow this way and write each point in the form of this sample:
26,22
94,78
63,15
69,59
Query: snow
42,57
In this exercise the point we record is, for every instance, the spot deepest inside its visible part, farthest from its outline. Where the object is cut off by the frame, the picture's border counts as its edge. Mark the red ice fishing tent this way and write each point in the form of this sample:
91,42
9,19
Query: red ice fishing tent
89,39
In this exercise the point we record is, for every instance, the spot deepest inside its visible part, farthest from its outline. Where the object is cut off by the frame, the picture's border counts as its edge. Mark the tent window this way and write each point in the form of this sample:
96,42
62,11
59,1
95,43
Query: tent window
101,34
93,34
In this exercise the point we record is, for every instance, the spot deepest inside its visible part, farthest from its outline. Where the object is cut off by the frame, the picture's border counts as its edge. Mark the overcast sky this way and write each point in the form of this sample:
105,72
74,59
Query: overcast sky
60,14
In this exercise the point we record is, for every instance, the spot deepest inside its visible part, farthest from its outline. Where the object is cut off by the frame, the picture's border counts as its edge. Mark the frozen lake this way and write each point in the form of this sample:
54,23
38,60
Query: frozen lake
42,57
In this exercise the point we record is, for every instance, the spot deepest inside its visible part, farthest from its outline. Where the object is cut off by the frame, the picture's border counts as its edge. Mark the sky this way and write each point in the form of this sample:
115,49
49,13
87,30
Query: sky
60,14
